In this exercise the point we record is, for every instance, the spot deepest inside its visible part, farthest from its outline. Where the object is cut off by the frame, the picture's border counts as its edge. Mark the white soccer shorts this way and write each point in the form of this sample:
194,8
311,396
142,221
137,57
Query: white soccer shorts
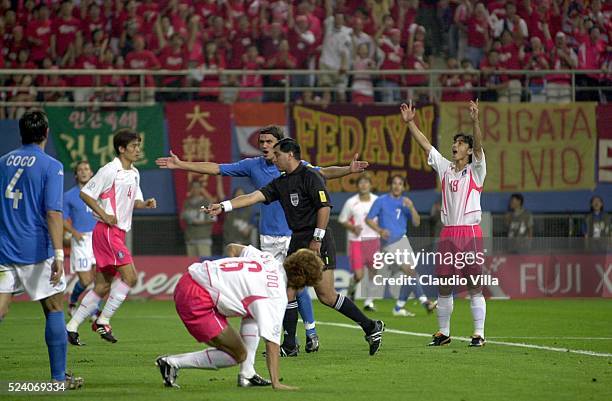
32,279
402,245
276,245
81,254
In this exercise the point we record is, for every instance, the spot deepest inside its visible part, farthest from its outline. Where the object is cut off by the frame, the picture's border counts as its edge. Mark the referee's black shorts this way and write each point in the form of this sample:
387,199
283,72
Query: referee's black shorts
302,239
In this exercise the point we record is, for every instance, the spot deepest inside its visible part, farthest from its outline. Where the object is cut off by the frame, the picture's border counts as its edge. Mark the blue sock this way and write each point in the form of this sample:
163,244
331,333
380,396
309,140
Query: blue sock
306,311
76,292
55,337
418,289
403,296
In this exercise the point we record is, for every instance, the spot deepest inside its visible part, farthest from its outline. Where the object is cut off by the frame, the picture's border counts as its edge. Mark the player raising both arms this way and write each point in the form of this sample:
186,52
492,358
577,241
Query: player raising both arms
462,181
252,286
112,194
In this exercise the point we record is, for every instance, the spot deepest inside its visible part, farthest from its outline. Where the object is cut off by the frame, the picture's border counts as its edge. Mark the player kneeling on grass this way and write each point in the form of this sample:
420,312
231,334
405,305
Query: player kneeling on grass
252,286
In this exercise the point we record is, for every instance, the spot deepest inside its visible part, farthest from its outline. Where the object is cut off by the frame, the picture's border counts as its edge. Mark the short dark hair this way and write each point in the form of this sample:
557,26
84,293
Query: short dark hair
469,139
76,166
519,197
600,199
123,137
287,145
394,176
33,127
274,130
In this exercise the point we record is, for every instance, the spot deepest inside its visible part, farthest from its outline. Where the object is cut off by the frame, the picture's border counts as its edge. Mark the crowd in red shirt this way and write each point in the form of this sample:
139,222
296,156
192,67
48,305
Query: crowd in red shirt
208,36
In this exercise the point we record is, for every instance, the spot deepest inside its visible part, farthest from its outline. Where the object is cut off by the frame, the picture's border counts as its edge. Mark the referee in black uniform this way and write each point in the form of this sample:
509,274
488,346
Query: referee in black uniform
302,194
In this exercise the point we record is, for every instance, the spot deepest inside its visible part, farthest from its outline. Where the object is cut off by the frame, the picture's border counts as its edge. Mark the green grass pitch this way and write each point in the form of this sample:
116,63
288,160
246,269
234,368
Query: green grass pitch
404,369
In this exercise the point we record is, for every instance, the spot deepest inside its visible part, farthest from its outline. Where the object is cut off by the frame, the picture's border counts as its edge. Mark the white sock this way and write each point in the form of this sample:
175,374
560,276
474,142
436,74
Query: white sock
479,312
445,310
250,336
88,305
400,304
423,299
118,292
210,358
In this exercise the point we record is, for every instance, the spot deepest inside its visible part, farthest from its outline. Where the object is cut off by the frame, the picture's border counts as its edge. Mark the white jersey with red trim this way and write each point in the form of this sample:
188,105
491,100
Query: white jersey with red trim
116,190
460,189
355,212
252,285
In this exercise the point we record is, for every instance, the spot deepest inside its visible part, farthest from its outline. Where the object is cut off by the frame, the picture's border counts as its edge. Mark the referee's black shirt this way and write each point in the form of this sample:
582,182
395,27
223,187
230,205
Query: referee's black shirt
301,194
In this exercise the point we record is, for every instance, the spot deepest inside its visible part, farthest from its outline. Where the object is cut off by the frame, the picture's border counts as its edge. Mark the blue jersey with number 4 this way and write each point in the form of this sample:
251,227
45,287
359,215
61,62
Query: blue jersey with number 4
32,183
392,216
77,211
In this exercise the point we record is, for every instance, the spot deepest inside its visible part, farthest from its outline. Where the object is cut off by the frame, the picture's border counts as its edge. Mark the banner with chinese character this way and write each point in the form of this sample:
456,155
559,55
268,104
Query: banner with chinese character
529,147
249,118
332,135
80,134
200,132
604,146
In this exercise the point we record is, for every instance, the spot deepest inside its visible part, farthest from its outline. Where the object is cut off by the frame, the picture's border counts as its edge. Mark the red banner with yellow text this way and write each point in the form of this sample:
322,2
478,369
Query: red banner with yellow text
332,135
529,147
199,132
604,145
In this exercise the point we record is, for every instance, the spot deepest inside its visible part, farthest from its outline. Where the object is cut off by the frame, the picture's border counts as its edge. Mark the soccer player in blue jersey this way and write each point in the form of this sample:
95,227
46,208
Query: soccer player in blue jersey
274,233
31,253
80,222
394,211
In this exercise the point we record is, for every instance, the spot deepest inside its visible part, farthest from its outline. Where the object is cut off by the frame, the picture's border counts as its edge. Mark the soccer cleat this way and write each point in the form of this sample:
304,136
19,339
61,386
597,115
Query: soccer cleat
255,381
73,338
477,341
430,306
312,343
168,372
289,352
105,331
73,382
369,307
375,336
403,313
439,339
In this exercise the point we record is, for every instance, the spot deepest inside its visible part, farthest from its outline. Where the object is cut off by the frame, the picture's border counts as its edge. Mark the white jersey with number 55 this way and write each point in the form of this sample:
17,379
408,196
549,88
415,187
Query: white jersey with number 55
252,285
460,189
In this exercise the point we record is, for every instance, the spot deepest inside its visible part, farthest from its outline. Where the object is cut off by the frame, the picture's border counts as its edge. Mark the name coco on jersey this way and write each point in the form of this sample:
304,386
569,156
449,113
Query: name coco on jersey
474,281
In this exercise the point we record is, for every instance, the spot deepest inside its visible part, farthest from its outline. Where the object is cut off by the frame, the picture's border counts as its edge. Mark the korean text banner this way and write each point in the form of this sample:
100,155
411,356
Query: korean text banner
331,136
200,132
529,147
80,134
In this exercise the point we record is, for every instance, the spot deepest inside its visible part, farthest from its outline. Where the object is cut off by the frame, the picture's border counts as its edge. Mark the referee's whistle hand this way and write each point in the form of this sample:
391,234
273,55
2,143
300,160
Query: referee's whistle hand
315,246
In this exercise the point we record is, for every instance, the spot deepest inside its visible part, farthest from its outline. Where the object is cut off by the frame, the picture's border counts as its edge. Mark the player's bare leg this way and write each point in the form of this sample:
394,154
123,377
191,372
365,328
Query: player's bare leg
55,337
227,350
478,306
89,305
327,294
368,303
444,311
119,290
5,301
355,280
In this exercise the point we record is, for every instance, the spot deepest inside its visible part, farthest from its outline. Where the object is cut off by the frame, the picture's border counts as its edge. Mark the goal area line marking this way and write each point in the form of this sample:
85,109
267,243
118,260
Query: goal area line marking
510,344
